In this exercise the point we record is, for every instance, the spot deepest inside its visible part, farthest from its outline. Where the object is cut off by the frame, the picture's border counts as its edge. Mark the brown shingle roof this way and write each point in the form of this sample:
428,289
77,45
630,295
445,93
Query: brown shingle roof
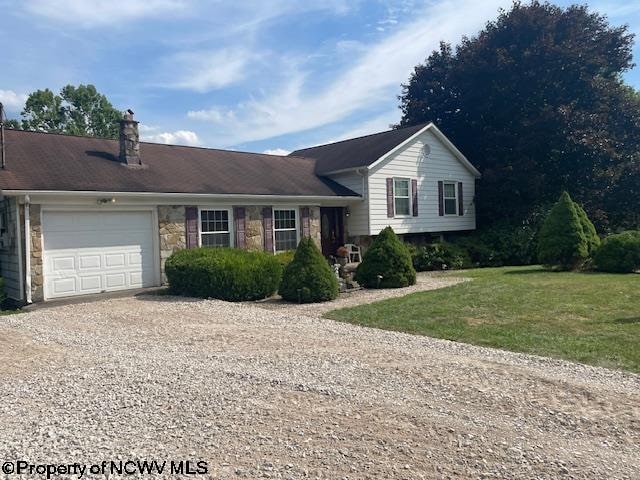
42,161
356,152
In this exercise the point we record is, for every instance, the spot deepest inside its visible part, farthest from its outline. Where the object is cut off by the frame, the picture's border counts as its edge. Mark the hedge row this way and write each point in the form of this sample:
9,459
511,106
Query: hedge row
224,273
240,275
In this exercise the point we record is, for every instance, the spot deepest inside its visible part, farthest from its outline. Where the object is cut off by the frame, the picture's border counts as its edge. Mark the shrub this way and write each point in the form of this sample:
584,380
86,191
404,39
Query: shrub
562,242
504,243
388,258
440,256
224,273
593,240
285,258
619,253
308,278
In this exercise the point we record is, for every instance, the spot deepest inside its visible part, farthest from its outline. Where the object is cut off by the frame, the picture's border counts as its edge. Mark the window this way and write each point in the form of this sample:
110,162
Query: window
401,194
215,228
285,229
450,199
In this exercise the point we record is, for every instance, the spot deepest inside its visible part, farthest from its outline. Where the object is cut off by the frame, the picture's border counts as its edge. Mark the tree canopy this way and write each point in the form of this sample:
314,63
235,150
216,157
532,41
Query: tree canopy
537,102
80,110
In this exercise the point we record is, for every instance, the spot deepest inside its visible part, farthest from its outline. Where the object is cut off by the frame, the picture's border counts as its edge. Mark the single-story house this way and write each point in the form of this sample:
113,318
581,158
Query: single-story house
101,215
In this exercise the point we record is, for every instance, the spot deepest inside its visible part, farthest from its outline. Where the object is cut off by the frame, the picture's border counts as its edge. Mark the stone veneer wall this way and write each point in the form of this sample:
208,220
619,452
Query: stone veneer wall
172,229
171,226
253,229
314,223
37,278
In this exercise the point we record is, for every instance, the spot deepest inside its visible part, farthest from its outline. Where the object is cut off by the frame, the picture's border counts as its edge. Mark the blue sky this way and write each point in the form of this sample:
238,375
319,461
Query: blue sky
246,74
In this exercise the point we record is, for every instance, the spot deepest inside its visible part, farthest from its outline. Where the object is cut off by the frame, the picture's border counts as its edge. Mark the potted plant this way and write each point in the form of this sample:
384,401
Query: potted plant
342,254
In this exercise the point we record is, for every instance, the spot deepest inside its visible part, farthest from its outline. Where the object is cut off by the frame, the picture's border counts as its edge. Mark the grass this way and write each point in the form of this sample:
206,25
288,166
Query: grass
591,318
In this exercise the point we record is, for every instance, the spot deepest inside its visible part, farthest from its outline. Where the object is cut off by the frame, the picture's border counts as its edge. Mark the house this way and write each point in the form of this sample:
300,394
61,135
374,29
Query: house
103,215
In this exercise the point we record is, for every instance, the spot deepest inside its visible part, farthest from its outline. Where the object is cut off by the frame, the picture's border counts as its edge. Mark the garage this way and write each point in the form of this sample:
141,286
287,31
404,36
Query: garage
87,252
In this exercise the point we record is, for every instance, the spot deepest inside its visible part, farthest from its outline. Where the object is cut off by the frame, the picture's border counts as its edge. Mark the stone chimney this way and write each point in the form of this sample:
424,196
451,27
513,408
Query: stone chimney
129,140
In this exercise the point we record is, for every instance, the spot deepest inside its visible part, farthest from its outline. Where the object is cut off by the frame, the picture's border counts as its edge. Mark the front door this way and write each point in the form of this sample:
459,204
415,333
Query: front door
331,229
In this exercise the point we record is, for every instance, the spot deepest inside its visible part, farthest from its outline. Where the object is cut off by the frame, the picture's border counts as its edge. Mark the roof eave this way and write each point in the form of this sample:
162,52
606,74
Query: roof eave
222,196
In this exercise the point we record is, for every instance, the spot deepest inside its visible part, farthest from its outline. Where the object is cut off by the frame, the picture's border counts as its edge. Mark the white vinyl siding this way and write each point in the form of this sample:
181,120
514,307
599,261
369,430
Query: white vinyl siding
357,223
216,228
9,259
440,165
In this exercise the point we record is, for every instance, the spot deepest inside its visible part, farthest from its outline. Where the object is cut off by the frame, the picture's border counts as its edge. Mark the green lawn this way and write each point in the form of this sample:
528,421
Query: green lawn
586,317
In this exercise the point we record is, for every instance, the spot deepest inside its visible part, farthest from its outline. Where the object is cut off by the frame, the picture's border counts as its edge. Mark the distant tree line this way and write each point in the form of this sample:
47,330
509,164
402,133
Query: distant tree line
537,102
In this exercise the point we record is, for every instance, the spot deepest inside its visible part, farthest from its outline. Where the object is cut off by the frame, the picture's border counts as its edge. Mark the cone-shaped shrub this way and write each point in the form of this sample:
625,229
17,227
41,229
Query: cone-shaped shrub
308,278
562,243
593,240
387,263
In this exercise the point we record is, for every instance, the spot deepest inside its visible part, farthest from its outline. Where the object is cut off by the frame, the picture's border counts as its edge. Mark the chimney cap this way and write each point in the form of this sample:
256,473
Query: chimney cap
128,115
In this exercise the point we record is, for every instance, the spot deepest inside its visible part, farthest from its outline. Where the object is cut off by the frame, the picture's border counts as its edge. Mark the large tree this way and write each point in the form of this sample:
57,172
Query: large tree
536,100
80,110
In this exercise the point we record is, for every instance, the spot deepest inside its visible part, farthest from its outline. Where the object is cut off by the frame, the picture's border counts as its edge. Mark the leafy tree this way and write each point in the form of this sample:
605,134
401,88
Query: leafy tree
308,277
537,102
80,110
387,263
13,123
562,242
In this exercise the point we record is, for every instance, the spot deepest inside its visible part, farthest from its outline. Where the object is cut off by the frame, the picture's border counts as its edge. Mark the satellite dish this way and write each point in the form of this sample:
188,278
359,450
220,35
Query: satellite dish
426,150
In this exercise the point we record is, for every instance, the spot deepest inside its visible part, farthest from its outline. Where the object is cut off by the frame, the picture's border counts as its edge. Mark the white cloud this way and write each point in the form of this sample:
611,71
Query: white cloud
12,100
179,137
371,82
213,115
102,12
277,151
204,71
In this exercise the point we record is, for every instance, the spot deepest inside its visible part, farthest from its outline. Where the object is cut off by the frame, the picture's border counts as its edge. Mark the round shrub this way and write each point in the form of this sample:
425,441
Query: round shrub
440,256
387,263
228,274
619,253
562,242
308,278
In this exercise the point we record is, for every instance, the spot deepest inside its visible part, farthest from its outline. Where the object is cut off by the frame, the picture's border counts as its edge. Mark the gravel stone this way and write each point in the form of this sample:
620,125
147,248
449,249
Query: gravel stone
275,393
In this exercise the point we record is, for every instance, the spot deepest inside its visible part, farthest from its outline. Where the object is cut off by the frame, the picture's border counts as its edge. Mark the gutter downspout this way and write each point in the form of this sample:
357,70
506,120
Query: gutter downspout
19,242
27,248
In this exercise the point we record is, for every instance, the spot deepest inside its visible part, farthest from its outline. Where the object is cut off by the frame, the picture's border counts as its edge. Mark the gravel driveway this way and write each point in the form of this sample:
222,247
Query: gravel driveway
260,393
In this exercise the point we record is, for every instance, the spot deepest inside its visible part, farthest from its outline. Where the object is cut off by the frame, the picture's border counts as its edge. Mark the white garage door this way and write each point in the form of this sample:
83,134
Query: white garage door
92,252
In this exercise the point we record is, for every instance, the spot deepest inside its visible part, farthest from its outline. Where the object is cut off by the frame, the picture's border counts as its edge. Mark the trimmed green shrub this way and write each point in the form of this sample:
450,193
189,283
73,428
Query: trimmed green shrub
562,243
225,273
285,258
503,243
440,256
386,264
590,233
619,253
308,278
